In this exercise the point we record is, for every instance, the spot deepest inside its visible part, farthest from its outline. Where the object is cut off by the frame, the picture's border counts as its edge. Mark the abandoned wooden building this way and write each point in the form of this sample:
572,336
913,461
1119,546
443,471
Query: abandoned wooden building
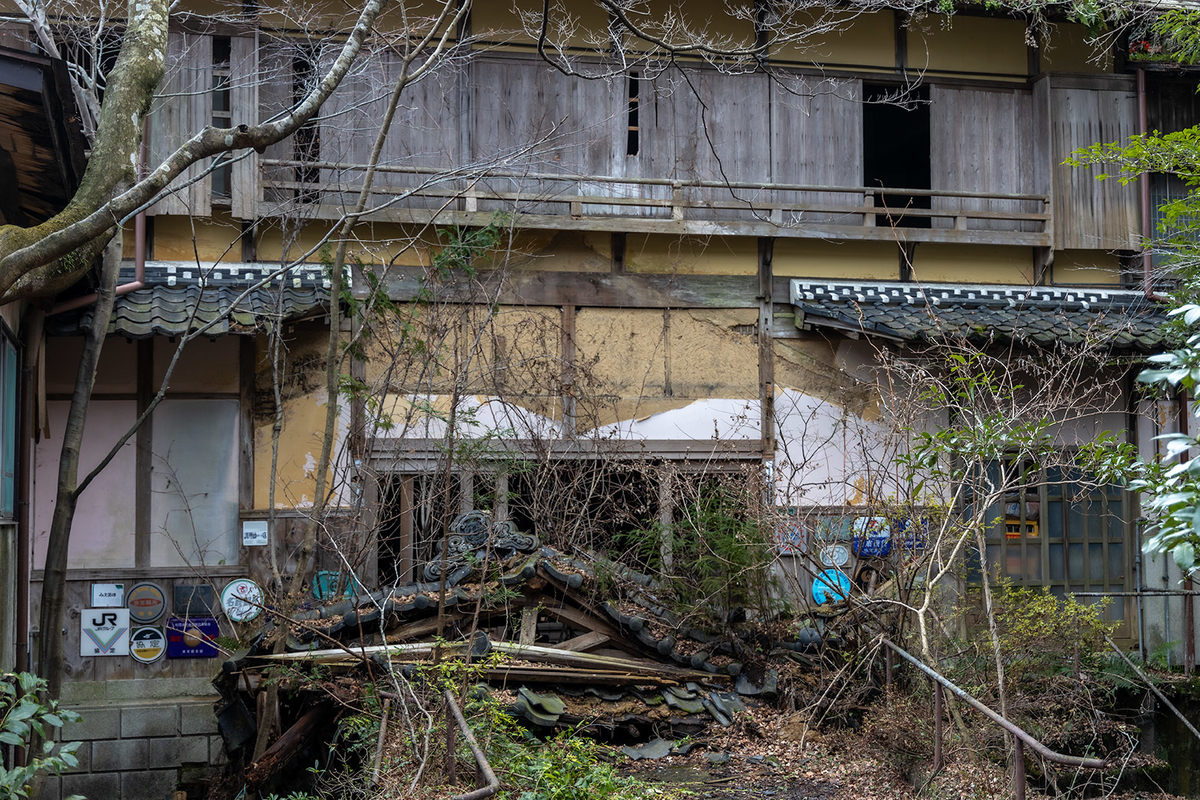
688,264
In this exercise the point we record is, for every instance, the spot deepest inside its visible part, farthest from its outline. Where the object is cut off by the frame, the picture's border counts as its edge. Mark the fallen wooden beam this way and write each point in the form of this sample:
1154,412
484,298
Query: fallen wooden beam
583,642
290,743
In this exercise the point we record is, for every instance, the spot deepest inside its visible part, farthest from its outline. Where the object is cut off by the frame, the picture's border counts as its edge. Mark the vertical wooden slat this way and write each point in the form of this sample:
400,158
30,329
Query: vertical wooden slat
243,101
182,107
275,95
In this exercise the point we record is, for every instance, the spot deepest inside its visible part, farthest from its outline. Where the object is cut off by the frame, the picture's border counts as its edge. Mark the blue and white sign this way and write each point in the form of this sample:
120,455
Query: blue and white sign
872,536
831,586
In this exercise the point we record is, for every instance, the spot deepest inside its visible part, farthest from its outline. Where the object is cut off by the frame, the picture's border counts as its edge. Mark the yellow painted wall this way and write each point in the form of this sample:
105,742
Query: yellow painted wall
583,25
691,255
1069,49
810,366
812,258
1086,267
857,39
304,420
206,365
186,238
558,251
962,43
958,263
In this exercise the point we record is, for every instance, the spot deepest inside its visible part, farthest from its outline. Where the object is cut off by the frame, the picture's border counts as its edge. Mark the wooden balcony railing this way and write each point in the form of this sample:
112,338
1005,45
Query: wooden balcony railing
659,205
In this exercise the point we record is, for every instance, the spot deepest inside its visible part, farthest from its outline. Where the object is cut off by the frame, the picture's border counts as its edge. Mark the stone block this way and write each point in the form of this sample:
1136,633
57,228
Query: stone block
157,720
197,718
52,788
216,751
83,692
92,785
119,754
173,752
158,689
148,784
98,722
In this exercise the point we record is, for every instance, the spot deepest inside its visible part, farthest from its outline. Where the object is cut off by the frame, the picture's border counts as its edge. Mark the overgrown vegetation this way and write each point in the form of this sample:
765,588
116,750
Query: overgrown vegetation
24,713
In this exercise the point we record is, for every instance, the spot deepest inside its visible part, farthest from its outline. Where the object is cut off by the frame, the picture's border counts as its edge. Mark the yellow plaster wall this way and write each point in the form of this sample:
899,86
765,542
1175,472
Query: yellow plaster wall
961,43
812,258
117,372
271,247
584,25
559,251
950,263
186,238
691,255
713,354
1069,49
206,365
304,408
1086,267
860,40
810,366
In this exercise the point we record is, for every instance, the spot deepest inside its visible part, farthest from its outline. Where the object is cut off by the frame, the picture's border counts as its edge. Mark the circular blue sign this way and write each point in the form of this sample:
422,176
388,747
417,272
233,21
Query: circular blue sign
831,586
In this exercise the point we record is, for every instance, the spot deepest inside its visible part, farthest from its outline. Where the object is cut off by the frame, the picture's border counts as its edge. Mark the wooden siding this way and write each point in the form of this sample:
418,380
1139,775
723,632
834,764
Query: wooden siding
1091,214
981,140
183,106
244,80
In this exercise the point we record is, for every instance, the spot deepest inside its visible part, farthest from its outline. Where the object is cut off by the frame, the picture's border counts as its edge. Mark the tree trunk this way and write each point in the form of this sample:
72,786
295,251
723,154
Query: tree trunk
50,620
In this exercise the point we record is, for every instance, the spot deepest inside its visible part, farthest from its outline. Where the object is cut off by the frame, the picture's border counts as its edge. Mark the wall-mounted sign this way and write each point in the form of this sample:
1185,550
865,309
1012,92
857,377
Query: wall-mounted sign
242,600
194,600
254,532
872,536
108,595
146,603
192,637
104,632
835,555
789,537
147,644
831,586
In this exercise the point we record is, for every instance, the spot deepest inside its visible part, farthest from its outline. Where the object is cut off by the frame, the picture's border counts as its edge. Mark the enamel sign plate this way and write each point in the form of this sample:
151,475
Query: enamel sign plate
192,637
835,555
147,603
254,533
242,600
147,644
104,632
831,586
108,595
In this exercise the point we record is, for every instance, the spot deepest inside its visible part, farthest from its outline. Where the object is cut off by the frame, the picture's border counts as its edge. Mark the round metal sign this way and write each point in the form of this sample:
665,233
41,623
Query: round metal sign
242,600
831,586
147,644
146,602
835,555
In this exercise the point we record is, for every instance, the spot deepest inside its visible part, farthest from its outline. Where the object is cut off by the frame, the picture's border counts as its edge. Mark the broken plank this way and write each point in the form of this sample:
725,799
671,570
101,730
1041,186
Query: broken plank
290,743
583,642
551,655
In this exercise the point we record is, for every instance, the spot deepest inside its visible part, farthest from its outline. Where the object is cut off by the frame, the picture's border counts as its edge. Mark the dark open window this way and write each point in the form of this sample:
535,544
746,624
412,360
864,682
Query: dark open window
896,151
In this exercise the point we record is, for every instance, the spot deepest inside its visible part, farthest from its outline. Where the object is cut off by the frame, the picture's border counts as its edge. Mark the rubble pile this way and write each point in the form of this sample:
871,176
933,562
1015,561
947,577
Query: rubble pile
563,642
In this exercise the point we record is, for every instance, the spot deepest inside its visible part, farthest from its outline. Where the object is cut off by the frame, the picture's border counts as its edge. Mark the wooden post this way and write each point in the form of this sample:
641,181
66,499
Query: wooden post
937,726
766,348
887,667
1189,629
1019,770
529,623
568,370
451,742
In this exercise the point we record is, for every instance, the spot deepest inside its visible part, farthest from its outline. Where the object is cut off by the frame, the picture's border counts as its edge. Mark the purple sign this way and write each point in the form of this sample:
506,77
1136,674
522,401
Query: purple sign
192,637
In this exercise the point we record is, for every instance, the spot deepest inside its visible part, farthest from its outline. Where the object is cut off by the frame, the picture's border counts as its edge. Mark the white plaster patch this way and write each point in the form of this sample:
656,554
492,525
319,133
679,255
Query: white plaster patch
310,465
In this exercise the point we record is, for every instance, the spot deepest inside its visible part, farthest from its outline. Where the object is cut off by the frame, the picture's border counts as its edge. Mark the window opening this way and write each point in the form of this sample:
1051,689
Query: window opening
1165,189
8,428
896,142
633,144
222,116
307,140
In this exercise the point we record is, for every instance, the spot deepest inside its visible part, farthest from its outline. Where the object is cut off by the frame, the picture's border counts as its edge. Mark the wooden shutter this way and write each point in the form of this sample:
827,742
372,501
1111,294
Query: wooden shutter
182,107
243,101
981,141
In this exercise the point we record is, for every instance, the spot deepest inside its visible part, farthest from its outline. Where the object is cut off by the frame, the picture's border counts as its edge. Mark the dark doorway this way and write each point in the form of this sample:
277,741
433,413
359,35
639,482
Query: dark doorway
896,151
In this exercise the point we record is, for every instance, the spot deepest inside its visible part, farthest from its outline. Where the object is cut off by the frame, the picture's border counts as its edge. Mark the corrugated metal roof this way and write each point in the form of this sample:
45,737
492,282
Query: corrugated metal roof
1037,315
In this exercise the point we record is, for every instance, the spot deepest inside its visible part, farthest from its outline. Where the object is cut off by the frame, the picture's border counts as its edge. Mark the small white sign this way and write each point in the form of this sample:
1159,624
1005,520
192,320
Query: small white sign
254,533
108,595
104,632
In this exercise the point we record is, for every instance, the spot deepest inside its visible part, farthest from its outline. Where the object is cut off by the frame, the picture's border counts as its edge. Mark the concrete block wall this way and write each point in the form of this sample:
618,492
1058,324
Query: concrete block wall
138,750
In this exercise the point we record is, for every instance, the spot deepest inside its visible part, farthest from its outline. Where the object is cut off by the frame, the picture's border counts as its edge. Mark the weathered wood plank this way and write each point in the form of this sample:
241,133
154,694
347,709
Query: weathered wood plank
244,80
183,106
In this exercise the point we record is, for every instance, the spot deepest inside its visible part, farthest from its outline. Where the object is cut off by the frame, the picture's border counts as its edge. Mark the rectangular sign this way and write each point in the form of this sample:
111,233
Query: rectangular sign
192,637
104,632
254,533
108,595
194,600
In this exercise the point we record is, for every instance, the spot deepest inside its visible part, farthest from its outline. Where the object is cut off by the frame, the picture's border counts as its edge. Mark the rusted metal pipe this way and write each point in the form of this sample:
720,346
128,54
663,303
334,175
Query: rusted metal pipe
481,762
1021,735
